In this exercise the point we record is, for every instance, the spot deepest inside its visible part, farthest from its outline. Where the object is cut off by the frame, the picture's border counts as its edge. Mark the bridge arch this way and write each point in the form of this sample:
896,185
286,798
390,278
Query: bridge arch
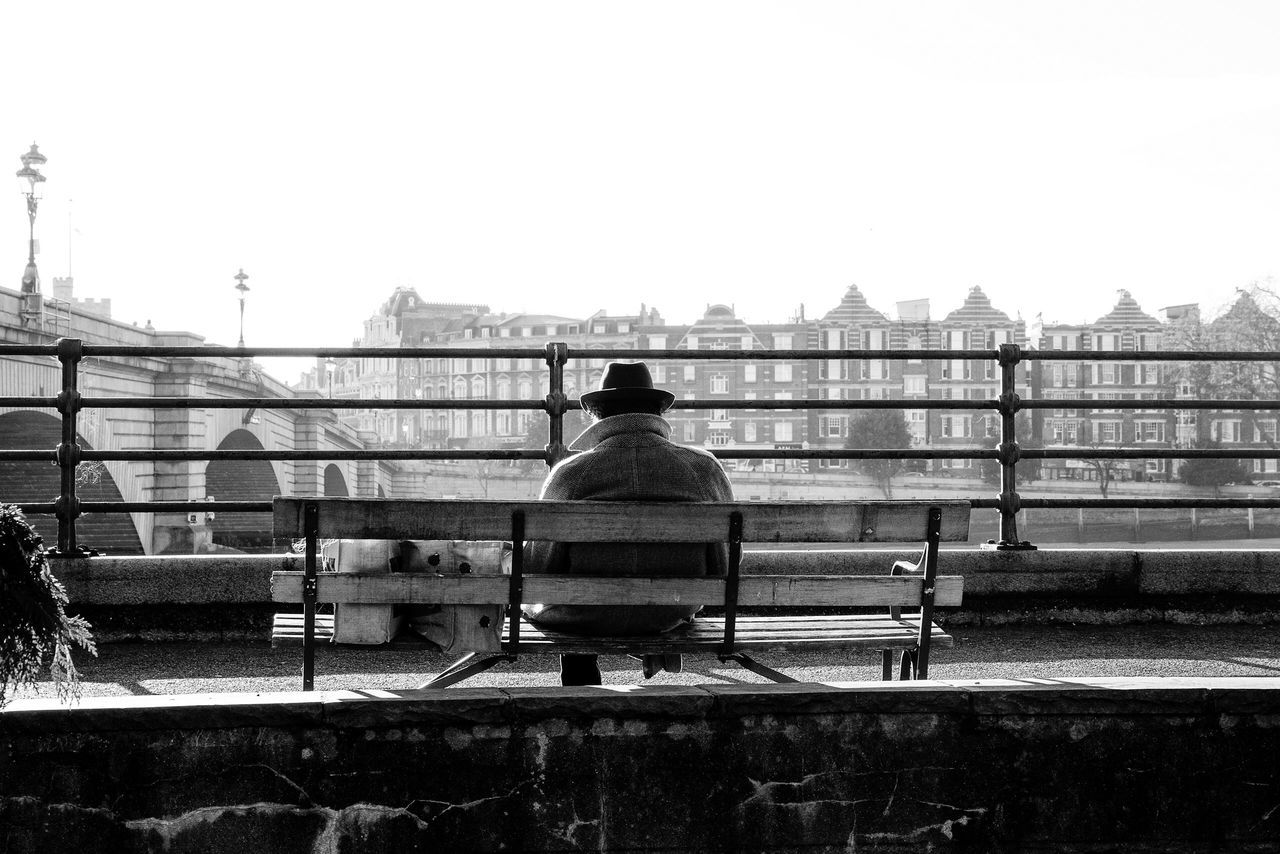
31,481
335,484
241,480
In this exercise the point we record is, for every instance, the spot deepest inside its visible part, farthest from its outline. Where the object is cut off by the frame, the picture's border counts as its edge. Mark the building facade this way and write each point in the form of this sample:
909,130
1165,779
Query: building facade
853,324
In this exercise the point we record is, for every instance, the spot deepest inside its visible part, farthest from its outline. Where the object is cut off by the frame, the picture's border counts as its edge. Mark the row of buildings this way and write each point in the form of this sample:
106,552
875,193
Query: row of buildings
406,320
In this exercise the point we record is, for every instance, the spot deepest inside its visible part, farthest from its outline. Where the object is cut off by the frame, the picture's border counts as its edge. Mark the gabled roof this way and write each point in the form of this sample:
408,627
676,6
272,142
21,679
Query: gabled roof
854,310
977,310
1127,312
537,319
719,321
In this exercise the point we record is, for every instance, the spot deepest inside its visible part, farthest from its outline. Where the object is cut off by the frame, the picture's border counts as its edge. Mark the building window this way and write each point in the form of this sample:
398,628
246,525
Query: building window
1149,431
913,385
782,373
657,342
718,437
1108,431
689,374
749,373
690,431
749,431
782,342
782,431
957,426
719,384
1225,431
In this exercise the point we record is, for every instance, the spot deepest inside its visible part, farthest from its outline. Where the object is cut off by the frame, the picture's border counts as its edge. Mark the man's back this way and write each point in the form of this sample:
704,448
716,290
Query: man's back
629,457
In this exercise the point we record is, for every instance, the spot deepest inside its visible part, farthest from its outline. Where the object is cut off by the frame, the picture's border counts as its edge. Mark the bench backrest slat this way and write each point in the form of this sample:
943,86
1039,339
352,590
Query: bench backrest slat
755,590
623,521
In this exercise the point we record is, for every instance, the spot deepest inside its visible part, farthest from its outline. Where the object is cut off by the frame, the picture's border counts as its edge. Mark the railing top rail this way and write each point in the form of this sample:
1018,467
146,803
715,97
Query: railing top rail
90,350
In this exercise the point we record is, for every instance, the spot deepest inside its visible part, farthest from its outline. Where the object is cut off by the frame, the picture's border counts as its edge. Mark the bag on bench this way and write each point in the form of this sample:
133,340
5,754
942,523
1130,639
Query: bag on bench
458,627
451,627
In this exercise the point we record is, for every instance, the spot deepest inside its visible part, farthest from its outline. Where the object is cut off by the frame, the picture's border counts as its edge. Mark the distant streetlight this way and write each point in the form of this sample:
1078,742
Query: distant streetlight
29,181
329,366
243,289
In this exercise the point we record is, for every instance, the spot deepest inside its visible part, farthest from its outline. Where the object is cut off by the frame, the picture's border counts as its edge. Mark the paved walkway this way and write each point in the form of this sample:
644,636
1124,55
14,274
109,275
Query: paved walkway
980,653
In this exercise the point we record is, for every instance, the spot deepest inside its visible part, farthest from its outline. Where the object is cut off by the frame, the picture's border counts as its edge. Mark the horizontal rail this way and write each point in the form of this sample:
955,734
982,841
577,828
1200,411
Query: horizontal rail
623,521
966,452
1158,404
471,403
753,590
109,507
1026,353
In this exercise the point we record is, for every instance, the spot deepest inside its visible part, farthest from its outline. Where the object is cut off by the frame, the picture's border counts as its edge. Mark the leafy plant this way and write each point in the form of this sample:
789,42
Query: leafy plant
35,630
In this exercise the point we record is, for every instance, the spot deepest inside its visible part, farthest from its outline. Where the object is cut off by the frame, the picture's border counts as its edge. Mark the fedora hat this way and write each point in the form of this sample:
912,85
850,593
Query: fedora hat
624,382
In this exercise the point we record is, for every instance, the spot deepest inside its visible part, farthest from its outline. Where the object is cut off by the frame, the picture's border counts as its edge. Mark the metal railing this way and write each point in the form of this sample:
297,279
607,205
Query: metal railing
71,353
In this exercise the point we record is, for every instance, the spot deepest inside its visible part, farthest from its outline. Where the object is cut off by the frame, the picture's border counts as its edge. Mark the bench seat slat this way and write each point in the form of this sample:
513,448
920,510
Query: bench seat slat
754,590
623,521
705,635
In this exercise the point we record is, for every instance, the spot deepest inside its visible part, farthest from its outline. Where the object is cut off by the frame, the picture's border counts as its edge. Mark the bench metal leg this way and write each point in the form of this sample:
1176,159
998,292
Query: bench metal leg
907,666
756,667
465,668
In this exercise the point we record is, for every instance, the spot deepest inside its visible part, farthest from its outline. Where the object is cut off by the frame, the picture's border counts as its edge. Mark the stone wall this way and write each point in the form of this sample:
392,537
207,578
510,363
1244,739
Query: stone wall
1085,765
163,598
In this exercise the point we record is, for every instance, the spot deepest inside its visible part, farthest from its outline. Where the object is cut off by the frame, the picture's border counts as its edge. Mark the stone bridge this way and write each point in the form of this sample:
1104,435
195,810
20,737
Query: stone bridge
39,428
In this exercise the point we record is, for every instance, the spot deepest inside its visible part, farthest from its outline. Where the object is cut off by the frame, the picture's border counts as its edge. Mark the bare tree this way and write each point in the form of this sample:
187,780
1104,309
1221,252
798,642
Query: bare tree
1106,471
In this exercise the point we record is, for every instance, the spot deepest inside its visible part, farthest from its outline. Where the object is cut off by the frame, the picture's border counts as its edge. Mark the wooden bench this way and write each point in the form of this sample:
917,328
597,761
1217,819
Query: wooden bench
733,636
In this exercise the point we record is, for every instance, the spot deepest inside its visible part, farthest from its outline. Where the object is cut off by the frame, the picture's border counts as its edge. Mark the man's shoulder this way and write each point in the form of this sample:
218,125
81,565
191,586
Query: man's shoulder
700,454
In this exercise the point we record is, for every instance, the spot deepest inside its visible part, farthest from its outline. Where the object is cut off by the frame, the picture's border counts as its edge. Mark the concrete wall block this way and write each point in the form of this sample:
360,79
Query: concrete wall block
1209,572
1169,765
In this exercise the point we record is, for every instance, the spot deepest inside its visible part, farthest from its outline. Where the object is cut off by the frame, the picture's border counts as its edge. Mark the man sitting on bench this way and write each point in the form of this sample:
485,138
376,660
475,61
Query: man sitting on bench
627,455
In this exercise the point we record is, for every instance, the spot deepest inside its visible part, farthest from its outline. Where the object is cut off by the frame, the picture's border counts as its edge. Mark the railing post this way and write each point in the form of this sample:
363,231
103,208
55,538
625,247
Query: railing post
67,505
1009,451
556,354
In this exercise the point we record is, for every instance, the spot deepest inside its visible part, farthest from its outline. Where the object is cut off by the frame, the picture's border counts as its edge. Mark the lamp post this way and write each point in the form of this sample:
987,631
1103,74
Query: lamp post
29,181
243,289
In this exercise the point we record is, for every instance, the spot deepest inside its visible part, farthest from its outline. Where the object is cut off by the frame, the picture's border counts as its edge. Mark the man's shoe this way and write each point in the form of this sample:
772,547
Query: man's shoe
579,670
671,662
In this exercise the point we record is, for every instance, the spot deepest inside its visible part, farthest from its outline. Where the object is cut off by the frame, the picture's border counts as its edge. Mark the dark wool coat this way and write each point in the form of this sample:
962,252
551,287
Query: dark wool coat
628,457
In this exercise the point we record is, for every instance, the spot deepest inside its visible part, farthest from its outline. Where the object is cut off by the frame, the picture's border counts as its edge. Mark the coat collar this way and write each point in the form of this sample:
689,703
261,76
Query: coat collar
615,425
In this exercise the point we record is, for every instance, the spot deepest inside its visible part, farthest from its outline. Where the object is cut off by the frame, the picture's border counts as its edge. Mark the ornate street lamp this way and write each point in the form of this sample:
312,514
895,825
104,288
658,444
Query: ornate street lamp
29,181
243,289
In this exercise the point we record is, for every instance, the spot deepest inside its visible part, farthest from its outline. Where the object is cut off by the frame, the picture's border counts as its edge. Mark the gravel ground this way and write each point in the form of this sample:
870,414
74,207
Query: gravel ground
980,653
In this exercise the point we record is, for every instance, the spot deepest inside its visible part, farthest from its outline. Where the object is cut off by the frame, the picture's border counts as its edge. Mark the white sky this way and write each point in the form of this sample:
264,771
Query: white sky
568,157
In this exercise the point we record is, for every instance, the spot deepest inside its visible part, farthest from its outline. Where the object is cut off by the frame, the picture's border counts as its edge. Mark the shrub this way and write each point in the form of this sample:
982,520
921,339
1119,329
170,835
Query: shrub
34,626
